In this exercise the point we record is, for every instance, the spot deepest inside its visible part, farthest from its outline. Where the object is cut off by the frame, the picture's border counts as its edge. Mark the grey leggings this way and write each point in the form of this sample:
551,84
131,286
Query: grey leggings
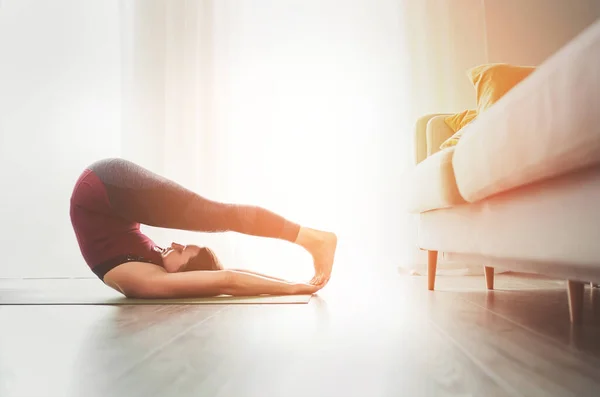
139,195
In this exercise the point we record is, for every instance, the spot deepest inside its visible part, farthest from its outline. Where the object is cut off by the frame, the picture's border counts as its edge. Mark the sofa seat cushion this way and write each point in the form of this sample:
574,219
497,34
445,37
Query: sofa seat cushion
431,184
547,126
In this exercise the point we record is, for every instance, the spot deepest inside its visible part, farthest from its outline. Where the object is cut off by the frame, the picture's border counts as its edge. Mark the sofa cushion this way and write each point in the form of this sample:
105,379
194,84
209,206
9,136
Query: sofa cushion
547,126
431,184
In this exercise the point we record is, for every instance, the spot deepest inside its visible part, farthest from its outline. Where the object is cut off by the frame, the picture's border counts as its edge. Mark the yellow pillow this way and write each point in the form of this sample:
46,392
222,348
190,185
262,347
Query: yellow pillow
457,122
491,82
452,141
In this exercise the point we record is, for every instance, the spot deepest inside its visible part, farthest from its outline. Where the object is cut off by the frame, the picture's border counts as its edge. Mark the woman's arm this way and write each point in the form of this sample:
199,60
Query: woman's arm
259,274
145,280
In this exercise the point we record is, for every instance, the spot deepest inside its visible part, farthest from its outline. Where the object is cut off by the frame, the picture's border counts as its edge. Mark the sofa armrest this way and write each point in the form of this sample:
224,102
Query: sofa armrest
430,132
437,132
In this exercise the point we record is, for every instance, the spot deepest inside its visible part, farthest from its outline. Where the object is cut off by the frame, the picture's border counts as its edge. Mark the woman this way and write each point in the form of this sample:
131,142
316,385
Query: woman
112,197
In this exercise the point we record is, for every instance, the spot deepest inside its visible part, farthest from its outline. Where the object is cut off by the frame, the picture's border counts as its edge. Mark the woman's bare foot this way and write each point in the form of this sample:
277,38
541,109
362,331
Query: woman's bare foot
321,245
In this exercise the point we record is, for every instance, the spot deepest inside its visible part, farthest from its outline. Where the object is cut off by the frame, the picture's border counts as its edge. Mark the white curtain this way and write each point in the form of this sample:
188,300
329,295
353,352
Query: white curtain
303,107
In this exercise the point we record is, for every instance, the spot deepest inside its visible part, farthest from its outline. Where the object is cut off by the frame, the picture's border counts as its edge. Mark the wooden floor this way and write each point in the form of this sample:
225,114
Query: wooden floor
365,337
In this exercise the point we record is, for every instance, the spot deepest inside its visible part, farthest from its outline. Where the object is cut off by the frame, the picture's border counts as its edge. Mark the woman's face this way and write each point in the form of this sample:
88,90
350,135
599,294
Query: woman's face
177,255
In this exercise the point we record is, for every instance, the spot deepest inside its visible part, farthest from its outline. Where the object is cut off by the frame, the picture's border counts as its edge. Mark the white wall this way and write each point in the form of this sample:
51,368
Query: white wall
445,39
527,32
60,109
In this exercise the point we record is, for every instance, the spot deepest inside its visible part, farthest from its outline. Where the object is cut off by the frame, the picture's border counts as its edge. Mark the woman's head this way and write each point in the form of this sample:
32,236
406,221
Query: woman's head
178,257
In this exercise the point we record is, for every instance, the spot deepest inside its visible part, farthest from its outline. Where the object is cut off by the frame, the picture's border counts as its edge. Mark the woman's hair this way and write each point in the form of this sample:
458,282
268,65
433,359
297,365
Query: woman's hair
206,259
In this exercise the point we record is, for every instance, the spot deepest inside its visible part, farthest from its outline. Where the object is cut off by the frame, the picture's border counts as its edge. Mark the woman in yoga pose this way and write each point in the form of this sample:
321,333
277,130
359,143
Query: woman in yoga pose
112,197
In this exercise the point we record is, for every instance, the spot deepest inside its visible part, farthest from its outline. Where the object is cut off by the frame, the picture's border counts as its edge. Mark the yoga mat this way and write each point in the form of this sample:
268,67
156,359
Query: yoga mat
79,291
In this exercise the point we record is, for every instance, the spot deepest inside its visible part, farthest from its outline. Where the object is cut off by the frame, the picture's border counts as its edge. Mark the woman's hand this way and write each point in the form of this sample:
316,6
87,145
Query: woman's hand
305,289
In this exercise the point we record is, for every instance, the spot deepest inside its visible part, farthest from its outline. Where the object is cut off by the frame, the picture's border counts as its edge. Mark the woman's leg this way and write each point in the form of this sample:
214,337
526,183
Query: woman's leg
140,195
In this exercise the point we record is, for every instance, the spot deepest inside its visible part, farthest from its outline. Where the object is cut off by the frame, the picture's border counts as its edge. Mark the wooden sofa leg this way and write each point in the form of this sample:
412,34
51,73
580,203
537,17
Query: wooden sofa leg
489,277
432,257
575,291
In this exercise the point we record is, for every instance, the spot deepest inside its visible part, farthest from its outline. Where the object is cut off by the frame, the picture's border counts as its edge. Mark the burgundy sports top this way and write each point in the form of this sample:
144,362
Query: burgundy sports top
106,239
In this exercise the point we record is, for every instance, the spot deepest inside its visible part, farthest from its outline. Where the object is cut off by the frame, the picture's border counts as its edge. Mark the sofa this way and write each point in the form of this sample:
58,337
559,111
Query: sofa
520,190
